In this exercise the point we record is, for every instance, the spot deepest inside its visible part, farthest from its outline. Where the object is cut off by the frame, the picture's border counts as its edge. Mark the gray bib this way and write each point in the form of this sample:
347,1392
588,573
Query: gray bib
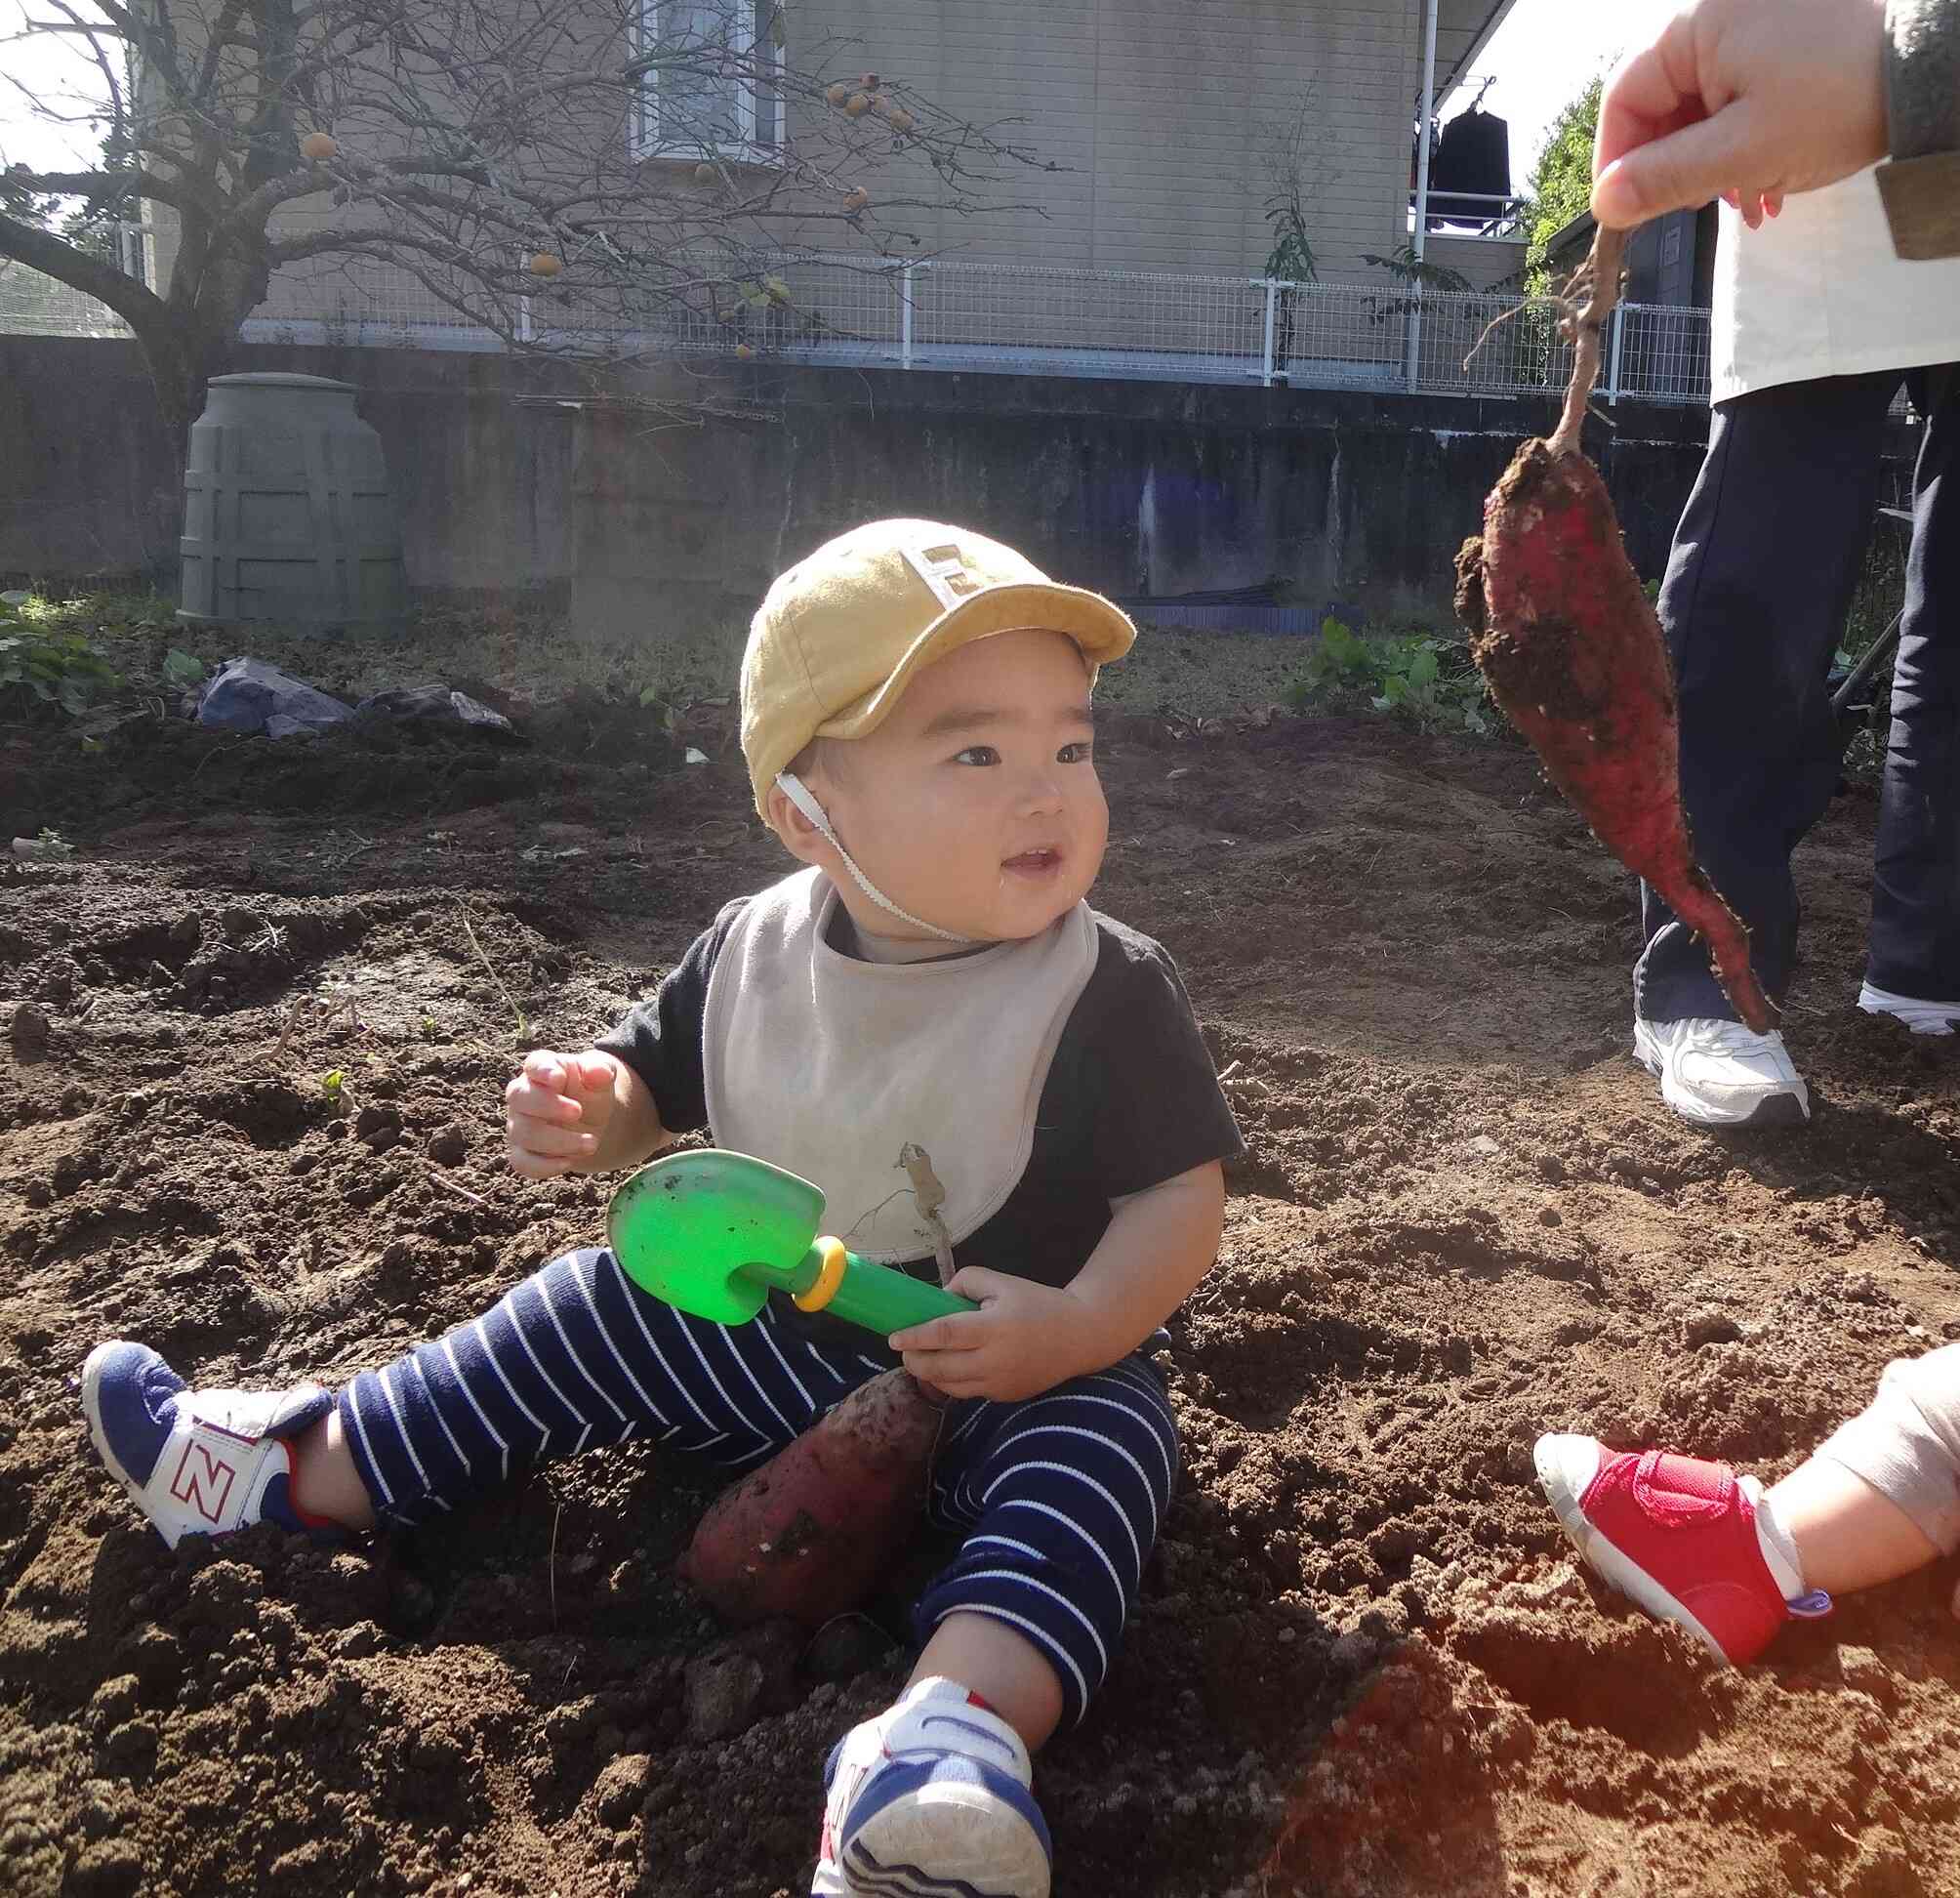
834,1068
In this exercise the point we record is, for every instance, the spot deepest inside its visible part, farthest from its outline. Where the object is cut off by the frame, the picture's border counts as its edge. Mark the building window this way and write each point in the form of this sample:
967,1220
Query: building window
713,82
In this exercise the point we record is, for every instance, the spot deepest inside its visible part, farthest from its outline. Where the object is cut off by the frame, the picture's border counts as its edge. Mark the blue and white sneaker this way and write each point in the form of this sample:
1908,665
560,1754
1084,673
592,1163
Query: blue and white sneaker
931,1800
197,1462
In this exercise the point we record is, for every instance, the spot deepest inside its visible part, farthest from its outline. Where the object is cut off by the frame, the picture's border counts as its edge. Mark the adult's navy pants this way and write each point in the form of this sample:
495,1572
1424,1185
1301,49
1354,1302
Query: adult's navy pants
1761,577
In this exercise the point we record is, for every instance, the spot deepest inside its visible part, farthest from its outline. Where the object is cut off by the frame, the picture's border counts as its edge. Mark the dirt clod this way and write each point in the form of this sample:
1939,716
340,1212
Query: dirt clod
29,1029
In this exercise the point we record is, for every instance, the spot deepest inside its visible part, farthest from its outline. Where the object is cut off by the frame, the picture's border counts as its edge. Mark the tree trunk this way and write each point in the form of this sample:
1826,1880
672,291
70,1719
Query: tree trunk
182,359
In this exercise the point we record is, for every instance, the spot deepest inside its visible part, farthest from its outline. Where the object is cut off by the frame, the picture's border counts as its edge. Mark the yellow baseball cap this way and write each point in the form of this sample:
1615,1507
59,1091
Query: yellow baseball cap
840,636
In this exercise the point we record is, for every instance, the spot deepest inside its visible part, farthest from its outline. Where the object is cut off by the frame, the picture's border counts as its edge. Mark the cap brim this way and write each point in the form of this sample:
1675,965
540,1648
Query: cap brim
1103,632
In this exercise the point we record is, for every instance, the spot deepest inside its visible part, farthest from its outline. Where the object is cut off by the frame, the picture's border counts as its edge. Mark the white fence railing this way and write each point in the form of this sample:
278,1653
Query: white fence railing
1018,319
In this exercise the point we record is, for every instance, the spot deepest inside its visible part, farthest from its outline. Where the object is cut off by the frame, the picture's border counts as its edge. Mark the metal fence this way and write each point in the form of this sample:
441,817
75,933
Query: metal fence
33,305
1020,319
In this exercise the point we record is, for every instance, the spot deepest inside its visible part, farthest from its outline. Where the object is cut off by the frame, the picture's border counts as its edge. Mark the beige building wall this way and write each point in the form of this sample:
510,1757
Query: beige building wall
1483,263
1164,122
1169,117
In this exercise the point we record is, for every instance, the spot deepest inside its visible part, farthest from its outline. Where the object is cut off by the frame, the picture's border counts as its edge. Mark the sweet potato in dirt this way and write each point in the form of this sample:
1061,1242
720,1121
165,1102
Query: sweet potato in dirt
1572,650
808,1535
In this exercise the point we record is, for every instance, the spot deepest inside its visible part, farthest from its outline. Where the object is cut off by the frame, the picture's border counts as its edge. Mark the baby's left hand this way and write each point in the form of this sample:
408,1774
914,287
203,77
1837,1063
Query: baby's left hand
1024,1340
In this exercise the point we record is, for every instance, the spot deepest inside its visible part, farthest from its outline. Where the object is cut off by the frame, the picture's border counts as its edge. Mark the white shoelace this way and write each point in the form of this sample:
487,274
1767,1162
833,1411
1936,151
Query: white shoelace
799,793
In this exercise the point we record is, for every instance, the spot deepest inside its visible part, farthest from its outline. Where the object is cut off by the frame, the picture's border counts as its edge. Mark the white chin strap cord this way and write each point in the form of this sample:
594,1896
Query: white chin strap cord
800,795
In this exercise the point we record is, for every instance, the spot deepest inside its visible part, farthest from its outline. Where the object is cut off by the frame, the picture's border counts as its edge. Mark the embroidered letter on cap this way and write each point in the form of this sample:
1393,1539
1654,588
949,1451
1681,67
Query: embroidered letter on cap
943,568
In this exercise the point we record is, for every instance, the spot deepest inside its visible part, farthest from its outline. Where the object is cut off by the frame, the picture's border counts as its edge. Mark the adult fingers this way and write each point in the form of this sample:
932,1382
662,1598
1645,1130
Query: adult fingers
1688,167
1755,206
1651,92
537,1165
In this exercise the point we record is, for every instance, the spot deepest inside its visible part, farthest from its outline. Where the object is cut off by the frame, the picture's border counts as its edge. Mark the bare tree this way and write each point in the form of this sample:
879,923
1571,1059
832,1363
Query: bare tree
628,166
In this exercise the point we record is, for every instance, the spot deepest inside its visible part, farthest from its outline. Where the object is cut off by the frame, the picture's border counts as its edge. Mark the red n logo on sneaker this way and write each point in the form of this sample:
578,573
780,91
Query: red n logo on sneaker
211,1480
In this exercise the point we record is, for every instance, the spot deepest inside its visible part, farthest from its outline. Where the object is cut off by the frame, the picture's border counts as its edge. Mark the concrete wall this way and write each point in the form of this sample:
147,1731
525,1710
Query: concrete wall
1128,487
87,484
515,473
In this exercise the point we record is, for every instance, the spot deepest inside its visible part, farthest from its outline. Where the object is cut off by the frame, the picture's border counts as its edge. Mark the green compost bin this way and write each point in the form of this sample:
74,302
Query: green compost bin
288,514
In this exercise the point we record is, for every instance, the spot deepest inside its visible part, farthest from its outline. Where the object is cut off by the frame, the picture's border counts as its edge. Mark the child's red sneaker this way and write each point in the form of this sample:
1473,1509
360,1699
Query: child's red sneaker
1676,1534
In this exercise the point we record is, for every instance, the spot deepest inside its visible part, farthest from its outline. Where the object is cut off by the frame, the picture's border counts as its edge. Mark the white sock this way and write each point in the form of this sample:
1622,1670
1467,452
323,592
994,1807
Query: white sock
1780,1552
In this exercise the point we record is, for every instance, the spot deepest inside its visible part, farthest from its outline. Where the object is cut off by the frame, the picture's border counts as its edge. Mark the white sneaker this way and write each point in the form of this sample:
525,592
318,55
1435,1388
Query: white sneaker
1721,1074
1922,1017
197,1462
930,1800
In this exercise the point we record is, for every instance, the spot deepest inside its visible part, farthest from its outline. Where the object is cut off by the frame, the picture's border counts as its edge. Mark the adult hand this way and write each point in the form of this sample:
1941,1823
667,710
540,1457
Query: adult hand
555,1111
1747,100
1024,1340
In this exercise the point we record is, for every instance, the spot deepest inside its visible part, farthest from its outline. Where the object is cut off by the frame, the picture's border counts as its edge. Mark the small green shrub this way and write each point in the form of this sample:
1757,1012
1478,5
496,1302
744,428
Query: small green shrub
1426,681
181,669
44,662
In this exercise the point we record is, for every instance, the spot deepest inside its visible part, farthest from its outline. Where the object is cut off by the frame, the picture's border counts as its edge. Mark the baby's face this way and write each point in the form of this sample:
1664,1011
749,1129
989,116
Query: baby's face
977,803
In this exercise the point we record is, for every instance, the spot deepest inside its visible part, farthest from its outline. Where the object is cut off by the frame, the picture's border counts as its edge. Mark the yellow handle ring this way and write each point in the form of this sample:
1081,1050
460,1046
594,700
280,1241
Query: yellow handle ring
829,1275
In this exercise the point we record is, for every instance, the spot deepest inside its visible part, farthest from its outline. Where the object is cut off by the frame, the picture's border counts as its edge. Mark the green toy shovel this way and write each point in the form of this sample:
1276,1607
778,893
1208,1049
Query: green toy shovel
712,1233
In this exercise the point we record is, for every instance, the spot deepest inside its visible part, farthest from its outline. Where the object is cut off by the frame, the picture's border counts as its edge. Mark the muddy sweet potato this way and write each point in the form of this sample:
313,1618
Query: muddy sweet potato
1572,650
807,1536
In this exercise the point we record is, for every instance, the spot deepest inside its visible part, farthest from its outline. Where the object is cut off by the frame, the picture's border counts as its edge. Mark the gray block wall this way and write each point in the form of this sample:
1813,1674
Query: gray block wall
517,473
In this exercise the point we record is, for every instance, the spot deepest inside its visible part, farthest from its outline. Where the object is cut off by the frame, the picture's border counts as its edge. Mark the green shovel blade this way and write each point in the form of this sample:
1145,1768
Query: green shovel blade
710,1232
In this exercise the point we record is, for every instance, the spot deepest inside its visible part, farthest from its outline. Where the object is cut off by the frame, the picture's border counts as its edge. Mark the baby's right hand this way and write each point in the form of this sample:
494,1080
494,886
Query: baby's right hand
555,1112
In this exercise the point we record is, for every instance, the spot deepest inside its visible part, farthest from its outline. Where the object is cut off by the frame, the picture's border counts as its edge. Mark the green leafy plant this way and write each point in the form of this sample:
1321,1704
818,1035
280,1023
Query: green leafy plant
1291,259
1426,681
1299,151
43,662
181,669
1561,183
333,1083
654,699
1412,276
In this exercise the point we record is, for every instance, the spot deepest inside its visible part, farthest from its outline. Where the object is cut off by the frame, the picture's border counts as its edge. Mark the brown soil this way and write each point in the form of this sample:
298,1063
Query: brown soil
1362,1665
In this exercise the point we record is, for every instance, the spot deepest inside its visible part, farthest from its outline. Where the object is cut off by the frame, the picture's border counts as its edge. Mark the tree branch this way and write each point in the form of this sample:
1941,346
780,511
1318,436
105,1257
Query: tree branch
107,185
376,241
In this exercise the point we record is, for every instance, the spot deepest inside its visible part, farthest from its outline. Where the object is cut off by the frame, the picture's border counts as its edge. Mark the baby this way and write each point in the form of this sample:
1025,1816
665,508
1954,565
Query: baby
916,718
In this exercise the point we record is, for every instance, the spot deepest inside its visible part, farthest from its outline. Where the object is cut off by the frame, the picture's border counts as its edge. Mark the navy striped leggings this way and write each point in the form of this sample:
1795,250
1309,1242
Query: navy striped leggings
1061,1494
